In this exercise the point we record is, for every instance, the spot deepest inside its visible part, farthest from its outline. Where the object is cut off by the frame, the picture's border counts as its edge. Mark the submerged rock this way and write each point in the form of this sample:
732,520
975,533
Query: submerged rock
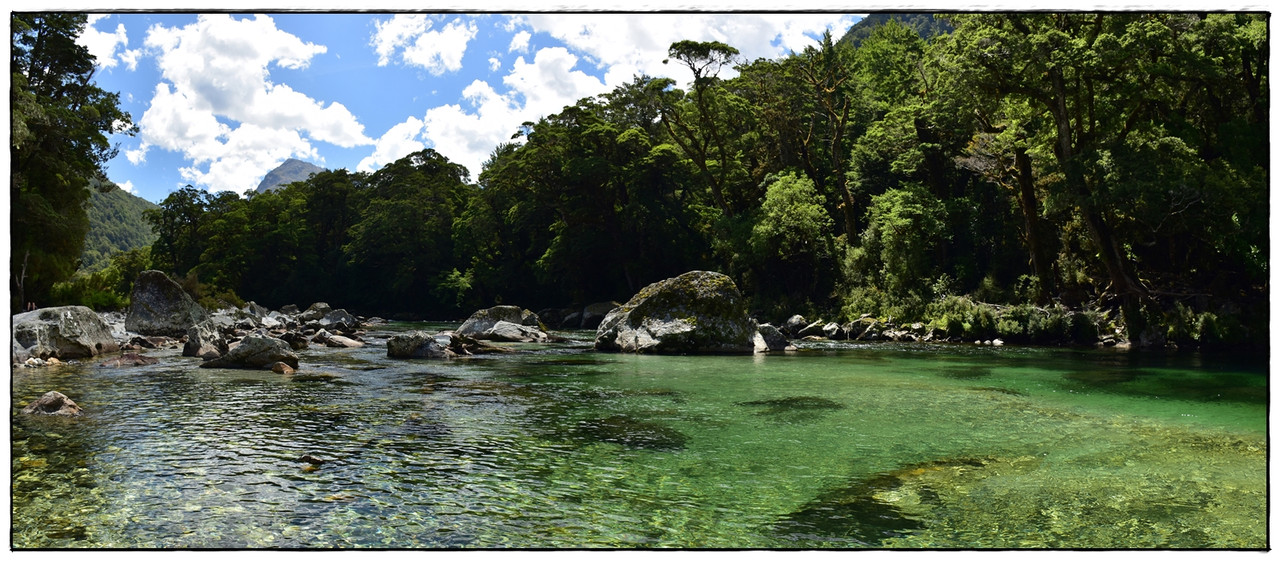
130,359
632,433
697,312
53,403
64,332
158,306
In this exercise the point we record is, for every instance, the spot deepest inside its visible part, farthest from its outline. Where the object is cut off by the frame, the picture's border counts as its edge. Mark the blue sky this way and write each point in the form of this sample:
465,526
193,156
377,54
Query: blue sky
221,99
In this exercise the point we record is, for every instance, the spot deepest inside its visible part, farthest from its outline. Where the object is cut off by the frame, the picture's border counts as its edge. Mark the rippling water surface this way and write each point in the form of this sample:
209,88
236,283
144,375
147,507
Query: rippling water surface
839,445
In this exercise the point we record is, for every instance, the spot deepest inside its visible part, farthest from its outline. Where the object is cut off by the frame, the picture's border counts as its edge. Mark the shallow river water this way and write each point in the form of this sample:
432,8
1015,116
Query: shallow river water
840,445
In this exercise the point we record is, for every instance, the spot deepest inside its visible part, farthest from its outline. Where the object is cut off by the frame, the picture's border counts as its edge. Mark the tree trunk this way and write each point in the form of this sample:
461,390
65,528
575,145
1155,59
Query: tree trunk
1041,262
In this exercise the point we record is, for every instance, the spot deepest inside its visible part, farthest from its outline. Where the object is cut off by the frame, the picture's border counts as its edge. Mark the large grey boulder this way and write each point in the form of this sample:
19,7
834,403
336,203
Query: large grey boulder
158,306
515,333
769,339
316,312
63,332
255,352
697,312
339,320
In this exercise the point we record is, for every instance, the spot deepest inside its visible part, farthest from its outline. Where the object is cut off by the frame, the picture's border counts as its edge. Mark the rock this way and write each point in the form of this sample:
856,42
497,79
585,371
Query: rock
510,332
594,314
296,341
282,368
336,341
255,310
812,330
833,330
697,312
553,318
20,354
484,320
255,351
793,325
417,345
53,403
289,310
64,332
316,312
158,306
204,338
768,338
130,359
339,320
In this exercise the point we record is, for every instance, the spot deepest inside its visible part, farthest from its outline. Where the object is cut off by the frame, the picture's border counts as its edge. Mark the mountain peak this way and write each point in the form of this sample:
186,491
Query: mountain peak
289,172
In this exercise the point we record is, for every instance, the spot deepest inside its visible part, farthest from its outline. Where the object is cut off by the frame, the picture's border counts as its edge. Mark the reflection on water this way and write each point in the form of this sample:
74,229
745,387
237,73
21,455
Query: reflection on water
840,445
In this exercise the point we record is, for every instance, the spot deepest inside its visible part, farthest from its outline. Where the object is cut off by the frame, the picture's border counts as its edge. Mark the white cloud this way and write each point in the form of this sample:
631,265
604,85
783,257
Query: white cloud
494,64
437,51
537,89
102,45
400,141
218,106
630,44
520,42
127,187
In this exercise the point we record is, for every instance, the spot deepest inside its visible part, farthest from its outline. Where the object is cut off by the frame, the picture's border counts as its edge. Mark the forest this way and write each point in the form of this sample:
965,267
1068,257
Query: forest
990,174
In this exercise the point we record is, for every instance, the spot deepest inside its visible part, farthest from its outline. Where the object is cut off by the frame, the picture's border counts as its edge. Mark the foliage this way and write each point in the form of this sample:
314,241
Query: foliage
58,143
116,224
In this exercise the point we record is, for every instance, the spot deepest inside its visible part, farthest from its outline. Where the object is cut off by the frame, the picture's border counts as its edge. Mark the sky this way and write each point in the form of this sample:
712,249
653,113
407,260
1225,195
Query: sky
220,99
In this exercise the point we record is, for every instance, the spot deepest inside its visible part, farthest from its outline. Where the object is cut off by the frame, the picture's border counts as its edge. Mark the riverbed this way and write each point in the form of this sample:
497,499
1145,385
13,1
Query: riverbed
836,445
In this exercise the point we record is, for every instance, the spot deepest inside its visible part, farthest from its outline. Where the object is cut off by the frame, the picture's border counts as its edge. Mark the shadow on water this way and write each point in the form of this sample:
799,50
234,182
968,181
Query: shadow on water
863,513
631,433
794,409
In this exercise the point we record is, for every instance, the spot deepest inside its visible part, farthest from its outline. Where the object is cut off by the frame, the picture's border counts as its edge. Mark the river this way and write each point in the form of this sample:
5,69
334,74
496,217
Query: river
838,445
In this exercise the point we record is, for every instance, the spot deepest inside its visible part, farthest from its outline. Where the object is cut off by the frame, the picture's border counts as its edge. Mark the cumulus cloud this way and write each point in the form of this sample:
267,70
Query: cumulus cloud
218,107
400,141
437,51
520,42
103,45
533,90
127,187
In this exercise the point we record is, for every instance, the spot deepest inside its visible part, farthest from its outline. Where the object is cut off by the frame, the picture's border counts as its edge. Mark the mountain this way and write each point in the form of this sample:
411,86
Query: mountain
926,25
115,224
289,172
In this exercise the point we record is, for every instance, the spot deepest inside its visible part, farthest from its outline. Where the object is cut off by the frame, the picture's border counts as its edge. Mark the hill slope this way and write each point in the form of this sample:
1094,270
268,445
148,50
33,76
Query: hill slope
115,224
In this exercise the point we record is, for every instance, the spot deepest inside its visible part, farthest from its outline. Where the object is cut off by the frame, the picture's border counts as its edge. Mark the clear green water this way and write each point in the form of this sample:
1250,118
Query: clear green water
842,446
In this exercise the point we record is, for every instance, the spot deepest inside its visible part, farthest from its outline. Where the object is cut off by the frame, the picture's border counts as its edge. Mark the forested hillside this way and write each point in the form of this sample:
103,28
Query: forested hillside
116,224
1042,177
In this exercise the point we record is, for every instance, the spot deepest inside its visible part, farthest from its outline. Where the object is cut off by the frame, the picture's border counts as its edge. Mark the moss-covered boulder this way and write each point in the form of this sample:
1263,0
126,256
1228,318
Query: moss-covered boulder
697,312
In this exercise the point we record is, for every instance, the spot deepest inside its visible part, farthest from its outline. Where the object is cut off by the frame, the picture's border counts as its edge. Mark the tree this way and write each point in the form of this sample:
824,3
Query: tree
59,142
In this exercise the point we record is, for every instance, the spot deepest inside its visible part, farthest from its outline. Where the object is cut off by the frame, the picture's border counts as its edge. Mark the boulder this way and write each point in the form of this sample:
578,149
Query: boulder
339,320
296,341
768,339
417,344
255,310
812,330
20,354
697,312
289,310
316,312
204,338
833,330
511,332
254,352
53,403
484,320
594,314
158,306
130,359
336,341
793,325
64,332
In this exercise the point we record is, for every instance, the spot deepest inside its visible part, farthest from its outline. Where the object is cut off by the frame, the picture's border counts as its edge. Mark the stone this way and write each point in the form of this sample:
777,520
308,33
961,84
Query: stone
282,368
53,403
316,312
130,359
158,306
484,320
769,339
296,341
64,332
793,325
814,329
339,320
511,332
204,338
594,314
697,312
254,352
335,341
833,330
417,344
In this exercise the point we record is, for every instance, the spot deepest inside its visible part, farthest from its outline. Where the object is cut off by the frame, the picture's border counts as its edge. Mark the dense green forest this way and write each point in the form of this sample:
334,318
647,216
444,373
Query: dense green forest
1042,177
116,224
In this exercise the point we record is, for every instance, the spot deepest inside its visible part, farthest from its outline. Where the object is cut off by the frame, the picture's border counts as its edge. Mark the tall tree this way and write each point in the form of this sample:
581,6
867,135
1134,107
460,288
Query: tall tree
59,142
